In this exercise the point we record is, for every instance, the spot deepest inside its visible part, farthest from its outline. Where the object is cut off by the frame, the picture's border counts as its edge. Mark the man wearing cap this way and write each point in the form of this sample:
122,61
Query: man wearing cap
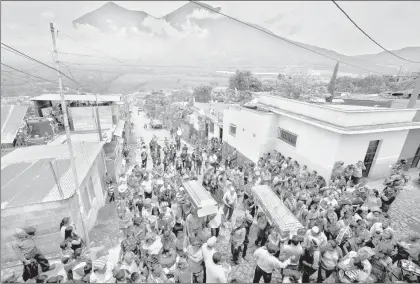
315,233
267,263
26,250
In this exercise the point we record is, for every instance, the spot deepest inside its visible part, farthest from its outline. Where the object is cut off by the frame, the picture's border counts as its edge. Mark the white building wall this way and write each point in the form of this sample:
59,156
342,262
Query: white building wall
315,147
353,148
254,133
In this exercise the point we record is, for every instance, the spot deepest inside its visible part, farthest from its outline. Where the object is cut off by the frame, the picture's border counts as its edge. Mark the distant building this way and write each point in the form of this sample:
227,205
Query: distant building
82,109
12,117
38,190
213,113
318,135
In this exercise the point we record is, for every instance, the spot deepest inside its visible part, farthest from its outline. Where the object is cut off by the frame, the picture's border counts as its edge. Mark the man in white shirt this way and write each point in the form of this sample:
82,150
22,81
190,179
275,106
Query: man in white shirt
208,251
215,271
215,222
230,200
267,263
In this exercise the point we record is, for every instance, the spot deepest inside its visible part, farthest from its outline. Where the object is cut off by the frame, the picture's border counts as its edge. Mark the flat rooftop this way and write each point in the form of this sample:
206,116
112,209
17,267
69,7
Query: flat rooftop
75,97
77,137
353,107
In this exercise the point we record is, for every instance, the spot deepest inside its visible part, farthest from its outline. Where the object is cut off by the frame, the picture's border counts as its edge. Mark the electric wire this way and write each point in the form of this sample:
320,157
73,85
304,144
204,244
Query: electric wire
35,60
374,41
284,39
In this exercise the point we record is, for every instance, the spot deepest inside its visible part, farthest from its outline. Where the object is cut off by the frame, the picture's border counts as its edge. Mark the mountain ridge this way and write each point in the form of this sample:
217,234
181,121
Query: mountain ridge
229,42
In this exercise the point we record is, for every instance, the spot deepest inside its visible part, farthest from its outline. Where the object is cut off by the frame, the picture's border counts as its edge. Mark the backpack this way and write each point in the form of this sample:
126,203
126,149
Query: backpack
30,271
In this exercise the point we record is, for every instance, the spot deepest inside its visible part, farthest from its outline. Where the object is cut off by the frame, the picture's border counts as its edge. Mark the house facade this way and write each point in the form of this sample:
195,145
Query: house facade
318,135
44,193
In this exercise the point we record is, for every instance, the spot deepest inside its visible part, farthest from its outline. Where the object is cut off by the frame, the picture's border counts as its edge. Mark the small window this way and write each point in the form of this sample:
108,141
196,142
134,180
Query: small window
211,127
92,193
287,136
232,130
86,200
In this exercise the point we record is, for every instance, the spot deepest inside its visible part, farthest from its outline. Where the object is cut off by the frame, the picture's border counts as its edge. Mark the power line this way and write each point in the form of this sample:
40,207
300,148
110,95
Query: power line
284,39
68,69
92,48
360,29
11,49
28,73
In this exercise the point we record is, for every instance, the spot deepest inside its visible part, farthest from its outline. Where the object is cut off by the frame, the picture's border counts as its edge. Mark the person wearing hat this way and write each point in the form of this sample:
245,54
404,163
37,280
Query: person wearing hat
26,250
315,233
152,244
267,263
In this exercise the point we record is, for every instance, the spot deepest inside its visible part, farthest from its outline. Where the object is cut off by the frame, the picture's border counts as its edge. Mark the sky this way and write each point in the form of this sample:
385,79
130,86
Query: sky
25,25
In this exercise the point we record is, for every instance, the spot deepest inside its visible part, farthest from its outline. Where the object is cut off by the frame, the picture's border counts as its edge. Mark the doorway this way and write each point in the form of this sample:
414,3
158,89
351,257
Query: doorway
416,158
221,134
370,156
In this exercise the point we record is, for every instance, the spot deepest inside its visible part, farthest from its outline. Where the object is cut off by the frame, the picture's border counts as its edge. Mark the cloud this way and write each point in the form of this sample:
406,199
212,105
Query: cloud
48,15
201,14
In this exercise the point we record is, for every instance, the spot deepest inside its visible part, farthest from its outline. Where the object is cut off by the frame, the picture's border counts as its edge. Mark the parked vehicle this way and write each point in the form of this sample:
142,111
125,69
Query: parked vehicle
156,124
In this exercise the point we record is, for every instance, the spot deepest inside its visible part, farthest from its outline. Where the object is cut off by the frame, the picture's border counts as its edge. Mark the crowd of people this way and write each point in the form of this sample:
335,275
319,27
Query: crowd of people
347,237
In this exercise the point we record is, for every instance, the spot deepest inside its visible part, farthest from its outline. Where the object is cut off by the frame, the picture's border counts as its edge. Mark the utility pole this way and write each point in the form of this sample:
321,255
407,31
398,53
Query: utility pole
414,94
67,128
399,72
97,118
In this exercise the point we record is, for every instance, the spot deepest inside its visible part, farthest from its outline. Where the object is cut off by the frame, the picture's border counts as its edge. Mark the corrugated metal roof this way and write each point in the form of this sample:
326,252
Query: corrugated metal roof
30,182
75,97
41,187
11,120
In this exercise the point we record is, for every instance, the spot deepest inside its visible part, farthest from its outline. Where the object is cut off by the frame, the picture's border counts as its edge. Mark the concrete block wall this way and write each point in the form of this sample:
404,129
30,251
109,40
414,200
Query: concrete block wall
44,217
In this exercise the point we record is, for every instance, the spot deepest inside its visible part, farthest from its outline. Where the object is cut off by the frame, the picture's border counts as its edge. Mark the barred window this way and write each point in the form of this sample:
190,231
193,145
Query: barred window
287,136
232,130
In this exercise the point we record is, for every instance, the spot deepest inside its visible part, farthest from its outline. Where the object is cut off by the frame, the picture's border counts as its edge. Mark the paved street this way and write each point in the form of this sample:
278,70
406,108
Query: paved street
405,211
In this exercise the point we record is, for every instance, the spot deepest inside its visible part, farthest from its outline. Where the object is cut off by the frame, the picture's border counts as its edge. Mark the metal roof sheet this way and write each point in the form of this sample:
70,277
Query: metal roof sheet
11,120
30,182
75,97
85,155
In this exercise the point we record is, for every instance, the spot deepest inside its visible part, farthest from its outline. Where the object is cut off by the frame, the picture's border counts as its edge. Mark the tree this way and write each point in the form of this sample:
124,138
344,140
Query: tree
280,76
331,85
202,93
244,80
303,86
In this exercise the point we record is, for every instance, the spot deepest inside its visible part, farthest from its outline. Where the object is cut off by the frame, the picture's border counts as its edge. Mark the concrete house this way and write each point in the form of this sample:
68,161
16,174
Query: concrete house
38,190
318,135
